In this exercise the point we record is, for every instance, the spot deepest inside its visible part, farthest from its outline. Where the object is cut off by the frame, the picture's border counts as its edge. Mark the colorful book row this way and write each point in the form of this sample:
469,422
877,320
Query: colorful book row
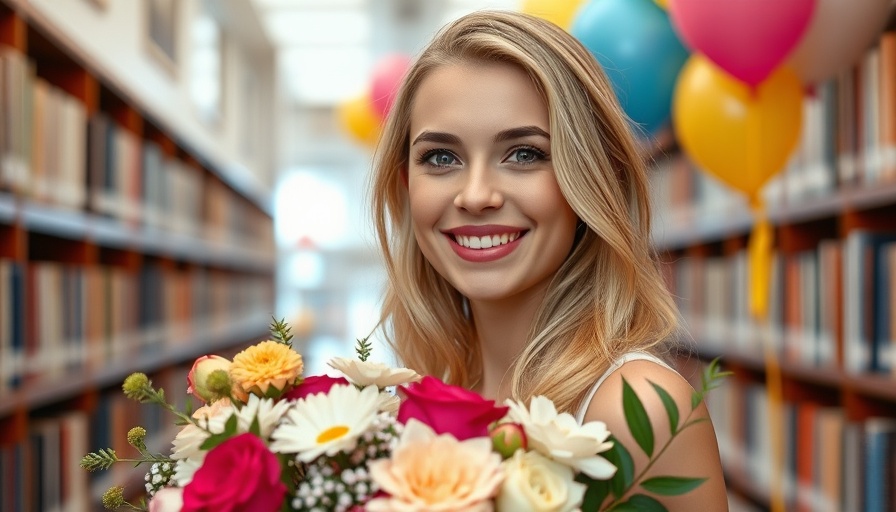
53,151
57,318
829,463
833,306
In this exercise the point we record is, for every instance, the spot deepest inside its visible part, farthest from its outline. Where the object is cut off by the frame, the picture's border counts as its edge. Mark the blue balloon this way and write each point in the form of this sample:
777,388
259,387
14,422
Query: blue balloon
636,45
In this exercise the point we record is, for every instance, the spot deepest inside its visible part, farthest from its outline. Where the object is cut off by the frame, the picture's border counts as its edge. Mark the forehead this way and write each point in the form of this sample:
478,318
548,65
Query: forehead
477,92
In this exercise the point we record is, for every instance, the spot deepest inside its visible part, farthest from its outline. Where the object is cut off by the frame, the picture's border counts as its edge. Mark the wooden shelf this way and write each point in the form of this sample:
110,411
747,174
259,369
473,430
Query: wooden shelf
111,233
235,175
41,393
687,230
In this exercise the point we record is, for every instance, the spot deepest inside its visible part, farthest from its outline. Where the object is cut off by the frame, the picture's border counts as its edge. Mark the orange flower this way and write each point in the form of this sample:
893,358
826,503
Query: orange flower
266,369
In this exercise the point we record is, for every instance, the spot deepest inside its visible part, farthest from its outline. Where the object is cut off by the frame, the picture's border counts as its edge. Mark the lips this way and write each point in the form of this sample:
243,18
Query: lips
482,244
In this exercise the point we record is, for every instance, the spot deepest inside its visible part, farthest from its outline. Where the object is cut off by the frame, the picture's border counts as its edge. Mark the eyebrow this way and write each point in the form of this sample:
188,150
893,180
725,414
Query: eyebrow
510,134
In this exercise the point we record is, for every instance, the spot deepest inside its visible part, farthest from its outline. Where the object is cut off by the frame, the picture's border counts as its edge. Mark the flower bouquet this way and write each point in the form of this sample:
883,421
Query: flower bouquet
268,439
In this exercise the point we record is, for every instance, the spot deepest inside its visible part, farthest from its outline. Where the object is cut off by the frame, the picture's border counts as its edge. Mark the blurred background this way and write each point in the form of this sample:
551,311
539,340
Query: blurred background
175,172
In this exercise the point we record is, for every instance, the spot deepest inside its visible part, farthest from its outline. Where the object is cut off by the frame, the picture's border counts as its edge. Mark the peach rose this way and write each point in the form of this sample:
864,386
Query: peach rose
437,473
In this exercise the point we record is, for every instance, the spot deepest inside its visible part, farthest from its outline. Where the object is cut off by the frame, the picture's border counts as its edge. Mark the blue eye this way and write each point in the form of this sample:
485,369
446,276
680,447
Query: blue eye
526,155
439,158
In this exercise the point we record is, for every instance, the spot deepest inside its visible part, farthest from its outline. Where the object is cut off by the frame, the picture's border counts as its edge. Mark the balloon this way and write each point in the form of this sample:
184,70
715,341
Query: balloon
358,119
746,38
635,43
741,135
839,33
662,3
387,75
559,12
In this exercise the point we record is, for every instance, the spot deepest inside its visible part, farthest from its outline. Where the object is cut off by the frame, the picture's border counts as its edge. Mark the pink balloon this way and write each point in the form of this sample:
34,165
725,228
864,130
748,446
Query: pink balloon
746,38
387,76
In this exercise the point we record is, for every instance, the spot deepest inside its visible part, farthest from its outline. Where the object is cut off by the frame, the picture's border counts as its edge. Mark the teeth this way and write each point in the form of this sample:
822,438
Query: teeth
485,242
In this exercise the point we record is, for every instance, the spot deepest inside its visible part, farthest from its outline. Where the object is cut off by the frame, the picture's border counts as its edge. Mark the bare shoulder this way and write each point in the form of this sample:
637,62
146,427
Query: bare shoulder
693,452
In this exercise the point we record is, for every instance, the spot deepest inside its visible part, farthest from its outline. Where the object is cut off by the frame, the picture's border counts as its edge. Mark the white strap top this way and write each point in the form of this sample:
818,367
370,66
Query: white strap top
631,356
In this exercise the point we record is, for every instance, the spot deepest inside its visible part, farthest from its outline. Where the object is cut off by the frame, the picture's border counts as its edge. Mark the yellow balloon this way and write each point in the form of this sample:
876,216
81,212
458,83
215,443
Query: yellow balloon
358,119
741,135
662,3
560,12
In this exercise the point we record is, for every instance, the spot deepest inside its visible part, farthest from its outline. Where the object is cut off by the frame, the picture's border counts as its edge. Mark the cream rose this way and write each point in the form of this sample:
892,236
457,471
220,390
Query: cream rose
436,473
537,484
366,373
168,499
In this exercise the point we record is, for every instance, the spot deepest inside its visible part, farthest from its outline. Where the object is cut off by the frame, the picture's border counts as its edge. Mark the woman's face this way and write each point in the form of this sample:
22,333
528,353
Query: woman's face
485,205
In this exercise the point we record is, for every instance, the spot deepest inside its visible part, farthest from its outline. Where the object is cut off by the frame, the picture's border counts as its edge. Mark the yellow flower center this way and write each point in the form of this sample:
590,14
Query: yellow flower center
332,433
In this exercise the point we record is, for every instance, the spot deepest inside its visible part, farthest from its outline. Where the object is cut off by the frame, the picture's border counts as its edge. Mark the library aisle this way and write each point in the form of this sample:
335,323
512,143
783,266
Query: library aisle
164,170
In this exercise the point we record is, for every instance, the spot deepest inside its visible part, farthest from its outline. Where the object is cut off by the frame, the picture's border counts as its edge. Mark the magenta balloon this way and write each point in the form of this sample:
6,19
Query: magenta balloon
387,76
746,38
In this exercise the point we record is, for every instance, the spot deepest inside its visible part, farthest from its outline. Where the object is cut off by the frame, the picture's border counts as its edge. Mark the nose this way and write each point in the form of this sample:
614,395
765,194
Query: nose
480,190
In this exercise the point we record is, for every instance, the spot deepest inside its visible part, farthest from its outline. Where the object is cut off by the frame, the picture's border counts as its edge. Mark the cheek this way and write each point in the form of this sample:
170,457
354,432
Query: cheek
426,204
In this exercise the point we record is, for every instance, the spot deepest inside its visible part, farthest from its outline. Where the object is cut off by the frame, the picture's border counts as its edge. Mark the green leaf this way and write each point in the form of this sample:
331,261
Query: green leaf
596,492
619,456
696,398
669,404
671,485
255,427
216,439
637,419
640,503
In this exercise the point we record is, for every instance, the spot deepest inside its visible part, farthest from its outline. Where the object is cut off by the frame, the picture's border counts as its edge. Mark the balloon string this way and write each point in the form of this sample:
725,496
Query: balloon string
759,254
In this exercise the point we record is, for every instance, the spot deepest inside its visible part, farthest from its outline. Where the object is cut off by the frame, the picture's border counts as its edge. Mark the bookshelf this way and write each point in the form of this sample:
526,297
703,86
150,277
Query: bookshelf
832,318
123,247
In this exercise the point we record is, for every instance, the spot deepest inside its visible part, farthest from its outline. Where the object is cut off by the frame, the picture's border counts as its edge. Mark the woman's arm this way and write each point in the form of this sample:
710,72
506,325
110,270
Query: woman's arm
693,453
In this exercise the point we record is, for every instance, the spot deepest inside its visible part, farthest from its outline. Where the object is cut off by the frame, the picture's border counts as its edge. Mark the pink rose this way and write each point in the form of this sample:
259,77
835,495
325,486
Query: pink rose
449,409
313,385
167,499
238,475
202,368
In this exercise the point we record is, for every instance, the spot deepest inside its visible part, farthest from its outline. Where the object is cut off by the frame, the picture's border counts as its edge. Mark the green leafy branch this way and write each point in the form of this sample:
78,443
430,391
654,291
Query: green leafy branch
363,349
625,480
280,331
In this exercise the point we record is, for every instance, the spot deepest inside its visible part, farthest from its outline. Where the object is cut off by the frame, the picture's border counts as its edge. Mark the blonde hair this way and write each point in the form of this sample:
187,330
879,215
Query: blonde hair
607,298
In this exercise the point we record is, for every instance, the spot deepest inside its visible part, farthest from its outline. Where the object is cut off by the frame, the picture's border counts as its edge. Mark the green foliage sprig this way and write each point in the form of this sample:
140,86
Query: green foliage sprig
280,332
620,490
363,349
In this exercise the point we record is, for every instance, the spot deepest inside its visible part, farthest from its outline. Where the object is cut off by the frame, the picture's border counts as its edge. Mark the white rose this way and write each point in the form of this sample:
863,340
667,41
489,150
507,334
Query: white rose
167,499
535,483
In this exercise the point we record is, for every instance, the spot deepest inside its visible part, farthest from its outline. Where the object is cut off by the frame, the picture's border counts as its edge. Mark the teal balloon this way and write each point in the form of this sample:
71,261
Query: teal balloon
635,43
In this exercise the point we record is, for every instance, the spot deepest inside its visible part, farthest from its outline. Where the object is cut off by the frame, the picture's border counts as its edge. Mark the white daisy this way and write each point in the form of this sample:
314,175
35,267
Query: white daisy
268,413
561,438
326,423
185,469
367,373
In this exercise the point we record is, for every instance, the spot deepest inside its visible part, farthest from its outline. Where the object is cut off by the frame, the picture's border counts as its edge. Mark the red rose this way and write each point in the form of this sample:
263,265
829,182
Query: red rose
238,475
449,409
313,385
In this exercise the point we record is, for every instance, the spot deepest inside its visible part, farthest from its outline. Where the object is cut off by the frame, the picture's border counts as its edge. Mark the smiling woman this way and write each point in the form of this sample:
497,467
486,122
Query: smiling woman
511,206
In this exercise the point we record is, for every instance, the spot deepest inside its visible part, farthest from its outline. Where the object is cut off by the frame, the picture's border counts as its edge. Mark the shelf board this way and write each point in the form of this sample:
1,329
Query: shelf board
57,222
877,386
7,208
112,233
870,385
59,388
691,228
